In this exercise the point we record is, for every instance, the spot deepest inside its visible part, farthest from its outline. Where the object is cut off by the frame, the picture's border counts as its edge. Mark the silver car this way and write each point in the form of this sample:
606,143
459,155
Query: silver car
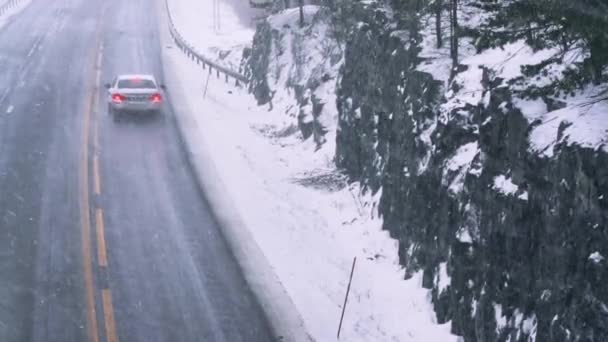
134,93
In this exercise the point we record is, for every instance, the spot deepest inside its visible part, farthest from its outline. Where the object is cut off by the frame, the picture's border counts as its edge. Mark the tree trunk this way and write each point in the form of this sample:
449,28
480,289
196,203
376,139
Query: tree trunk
599,52
454,28
301,3
438,9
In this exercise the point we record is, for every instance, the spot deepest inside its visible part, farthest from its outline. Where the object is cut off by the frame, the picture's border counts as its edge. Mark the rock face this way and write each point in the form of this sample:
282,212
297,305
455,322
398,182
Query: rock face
512,243
294,69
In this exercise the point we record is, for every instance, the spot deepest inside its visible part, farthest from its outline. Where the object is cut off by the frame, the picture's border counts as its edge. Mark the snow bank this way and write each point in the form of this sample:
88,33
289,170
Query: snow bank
308,224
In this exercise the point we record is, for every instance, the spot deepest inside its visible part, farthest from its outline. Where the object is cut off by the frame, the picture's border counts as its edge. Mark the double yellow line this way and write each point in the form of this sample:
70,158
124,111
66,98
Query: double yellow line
91,107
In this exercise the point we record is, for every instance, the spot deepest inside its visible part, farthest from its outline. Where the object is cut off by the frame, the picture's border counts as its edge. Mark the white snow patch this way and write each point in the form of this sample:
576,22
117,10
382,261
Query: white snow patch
425,138
523,196
596,257
529,327
443,280
460,162
501,321
464,236
504,185
506,61
471,90
531,109
463,156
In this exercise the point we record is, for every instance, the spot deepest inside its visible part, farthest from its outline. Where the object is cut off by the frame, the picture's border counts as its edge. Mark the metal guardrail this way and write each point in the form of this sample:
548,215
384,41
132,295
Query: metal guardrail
195,56
8,5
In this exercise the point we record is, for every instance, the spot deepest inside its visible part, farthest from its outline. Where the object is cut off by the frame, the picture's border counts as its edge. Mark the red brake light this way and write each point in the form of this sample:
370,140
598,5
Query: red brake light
156,98
118,98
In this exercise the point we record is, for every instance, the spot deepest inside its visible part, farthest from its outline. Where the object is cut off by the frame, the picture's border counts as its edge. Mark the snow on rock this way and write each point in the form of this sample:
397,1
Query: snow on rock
443,280
307,58
464,236
596,257
506,62
460,164
582,122
501,321
504,185
529,327
531,109
523,196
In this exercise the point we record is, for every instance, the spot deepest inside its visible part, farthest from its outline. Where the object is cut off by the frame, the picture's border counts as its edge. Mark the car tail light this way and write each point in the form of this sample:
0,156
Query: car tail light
156,98
118,98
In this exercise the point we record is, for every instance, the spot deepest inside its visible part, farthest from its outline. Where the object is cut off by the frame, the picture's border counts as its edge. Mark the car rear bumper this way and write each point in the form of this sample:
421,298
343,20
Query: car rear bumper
136,107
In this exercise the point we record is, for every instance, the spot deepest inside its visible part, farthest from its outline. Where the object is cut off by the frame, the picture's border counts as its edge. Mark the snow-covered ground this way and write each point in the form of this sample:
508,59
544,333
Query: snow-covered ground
220,30
299,210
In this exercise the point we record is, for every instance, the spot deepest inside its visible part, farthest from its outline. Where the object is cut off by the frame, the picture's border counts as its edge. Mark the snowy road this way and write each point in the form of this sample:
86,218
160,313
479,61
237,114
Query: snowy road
103,233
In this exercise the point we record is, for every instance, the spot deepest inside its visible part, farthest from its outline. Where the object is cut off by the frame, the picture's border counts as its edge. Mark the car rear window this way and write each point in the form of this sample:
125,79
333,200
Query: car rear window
136,83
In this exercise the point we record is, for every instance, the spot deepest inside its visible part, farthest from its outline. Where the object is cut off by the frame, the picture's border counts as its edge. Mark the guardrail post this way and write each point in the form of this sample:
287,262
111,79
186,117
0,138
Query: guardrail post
218,73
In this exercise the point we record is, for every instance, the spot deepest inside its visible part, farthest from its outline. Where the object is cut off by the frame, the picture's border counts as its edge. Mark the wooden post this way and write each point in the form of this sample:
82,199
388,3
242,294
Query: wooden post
346,297
207,84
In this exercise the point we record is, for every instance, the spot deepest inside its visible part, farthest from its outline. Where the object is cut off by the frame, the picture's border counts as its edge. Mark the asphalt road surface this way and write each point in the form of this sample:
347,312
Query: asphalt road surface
104,235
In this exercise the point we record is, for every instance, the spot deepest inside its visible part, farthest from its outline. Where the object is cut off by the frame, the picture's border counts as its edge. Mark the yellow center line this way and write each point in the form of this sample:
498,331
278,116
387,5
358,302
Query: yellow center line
85,222
91,106
102,257
96,179
108,315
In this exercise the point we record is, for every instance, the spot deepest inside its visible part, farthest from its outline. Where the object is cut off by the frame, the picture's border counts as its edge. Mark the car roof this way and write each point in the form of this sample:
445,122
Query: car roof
136,76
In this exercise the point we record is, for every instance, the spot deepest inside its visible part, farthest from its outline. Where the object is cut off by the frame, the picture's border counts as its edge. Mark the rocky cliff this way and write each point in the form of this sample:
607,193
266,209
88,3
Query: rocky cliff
294,67
511,231
493,169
